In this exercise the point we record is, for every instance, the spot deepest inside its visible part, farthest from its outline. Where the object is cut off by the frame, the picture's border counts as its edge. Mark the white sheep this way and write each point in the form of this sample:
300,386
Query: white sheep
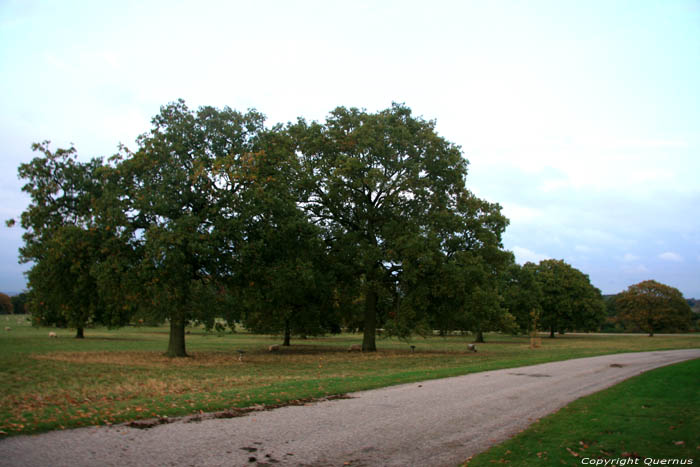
273,348
52,334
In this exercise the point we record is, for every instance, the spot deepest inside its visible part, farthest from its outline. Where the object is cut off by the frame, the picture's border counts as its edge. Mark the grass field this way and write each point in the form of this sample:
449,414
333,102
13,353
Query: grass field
113,376
642,421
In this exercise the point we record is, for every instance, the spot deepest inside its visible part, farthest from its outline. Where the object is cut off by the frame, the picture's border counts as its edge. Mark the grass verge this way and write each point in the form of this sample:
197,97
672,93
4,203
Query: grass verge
113,376
651,419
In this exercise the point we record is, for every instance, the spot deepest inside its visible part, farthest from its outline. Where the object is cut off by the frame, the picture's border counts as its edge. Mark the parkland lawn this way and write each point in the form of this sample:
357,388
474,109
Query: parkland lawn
114,376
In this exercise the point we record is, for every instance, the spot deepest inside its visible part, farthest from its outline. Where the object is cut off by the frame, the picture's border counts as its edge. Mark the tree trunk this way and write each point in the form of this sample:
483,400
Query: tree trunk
551,332
287,333
651,333
176,344
479,337
370,329
80,333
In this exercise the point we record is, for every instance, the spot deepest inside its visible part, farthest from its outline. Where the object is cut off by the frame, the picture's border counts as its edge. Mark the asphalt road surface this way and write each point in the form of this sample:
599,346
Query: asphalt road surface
433,423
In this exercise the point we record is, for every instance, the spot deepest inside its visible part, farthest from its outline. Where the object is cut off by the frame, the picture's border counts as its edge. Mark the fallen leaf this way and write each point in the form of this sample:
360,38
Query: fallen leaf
679,443
573,453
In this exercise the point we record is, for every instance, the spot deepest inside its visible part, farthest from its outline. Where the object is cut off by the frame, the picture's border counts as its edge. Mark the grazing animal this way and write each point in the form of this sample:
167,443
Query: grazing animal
273,348
413,348
52,334
8,328
471,347
355,348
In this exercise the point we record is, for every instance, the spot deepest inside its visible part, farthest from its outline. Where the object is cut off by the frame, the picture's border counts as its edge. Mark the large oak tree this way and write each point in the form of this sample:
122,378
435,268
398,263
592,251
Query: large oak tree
387,188
181,203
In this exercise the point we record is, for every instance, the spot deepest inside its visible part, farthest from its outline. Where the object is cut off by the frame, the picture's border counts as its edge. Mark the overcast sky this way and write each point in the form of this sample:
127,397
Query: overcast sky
581,118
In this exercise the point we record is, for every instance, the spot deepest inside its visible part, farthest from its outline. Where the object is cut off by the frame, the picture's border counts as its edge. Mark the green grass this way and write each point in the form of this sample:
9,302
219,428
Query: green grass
113,376
655,415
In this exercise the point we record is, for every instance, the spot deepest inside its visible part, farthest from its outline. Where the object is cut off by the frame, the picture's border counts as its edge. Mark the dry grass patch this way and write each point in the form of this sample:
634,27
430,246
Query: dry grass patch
298,355
144,359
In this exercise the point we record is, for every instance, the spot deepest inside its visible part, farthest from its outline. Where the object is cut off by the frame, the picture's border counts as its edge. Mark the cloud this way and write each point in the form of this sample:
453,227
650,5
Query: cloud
671,256
524,255
629,257
520,213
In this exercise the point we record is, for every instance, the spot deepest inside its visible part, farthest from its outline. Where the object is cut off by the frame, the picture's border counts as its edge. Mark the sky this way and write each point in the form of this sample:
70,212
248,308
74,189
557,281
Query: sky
581,118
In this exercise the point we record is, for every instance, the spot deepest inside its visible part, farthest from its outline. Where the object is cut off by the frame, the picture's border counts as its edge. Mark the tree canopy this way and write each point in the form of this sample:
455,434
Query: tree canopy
63,240
181,202
6,305
363,220
569,301
654,307
390,191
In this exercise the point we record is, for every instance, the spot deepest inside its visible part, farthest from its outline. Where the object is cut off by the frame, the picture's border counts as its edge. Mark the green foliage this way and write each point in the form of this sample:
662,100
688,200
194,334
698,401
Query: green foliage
64,241
181,198
389,191
559,297
6,305
19,303
282,280
569,301
654,307
363,221
522,295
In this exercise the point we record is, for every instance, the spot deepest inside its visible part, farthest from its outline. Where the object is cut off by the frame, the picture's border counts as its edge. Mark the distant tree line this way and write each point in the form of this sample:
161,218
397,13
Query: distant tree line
361,222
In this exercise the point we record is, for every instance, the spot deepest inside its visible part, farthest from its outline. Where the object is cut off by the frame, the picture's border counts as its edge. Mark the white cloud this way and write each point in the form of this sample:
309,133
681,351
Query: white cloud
671,256
524,255
519,213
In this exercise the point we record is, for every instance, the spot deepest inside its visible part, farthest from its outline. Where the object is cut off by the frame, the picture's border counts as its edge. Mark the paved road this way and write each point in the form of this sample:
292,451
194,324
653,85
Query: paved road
434,423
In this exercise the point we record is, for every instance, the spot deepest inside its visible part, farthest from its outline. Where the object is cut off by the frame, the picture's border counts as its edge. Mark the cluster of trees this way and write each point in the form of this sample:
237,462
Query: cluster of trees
552,296
363,221
13,304
6,305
